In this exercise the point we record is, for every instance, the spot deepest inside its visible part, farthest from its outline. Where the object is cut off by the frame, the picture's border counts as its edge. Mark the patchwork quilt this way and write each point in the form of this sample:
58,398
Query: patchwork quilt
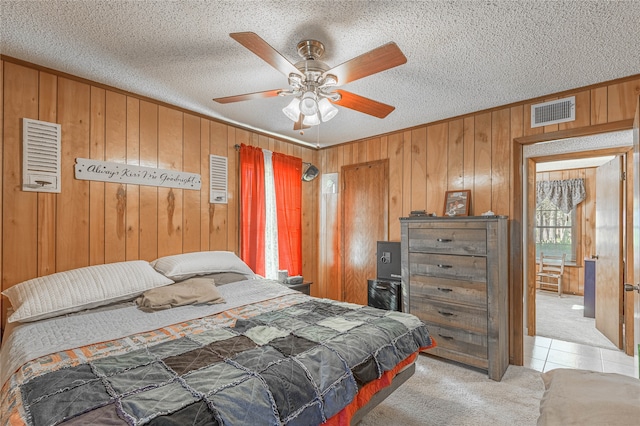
298,361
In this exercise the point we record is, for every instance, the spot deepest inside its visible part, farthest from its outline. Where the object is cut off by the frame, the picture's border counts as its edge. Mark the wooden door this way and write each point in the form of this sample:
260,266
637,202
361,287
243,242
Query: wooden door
364,217
609,250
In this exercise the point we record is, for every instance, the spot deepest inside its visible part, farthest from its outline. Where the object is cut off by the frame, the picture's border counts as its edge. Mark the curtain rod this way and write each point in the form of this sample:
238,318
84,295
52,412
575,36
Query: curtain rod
237,147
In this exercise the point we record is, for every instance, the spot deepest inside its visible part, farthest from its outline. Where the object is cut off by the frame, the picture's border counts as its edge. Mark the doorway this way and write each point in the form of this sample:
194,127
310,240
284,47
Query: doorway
616,143
571,316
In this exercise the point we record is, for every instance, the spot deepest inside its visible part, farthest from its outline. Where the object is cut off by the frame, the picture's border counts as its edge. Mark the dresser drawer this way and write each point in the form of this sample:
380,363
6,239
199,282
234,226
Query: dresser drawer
479,362
448,290
471,318
448,240
455,339
467,268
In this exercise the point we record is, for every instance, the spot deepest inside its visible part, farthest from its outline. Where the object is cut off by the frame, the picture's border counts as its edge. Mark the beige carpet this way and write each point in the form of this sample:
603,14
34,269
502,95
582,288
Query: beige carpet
563,318
443,393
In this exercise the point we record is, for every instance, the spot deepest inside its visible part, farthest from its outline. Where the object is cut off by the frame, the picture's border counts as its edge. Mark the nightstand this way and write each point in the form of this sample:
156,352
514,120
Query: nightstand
303,288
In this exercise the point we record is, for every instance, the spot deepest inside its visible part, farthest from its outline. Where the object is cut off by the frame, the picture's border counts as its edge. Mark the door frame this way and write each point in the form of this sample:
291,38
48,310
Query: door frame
530,212
521,260
634,250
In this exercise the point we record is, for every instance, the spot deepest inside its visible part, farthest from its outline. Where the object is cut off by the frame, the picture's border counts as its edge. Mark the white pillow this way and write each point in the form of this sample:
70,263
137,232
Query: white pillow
182,266
83,288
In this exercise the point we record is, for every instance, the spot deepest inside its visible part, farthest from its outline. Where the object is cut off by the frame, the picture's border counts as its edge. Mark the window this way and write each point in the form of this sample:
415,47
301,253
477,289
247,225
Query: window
555,231
271,203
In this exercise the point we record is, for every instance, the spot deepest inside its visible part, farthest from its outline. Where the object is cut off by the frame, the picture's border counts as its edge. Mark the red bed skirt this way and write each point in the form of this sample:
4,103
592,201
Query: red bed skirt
365,393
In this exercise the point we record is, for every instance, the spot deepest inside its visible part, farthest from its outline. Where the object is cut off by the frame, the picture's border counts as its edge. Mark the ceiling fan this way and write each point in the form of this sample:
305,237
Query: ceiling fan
313,83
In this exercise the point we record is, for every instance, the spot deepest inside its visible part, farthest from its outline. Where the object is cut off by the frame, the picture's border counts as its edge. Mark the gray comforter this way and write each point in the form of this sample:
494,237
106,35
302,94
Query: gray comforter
298,364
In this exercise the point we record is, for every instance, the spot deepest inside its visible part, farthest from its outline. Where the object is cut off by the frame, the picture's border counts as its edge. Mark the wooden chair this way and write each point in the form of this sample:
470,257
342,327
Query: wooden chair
550,271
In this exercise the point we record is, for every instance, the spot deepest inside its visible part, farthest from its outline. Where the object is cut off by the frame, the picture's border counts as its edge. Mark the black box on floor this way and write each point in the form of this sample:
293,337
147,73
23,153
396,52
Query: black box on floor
384,294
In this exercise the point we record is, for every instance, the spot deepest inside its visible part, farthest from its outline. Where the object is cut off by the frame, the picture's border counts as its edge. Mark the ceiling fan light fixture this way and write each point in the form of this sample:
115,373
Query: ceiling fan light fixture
309,104
327,110
332,96
311,120
292,111
295,80
329,80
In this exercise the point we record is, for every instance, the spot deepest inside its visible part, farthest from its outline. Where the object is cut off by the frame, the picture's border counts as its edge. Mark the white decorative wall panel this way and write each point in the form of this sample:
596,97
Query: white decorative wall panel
104,171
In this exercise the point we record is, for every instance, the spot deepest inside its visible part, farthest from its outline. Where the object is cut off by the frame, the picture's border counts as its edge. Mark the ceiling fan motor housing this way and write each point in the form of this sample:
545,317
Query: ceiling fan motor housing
310,49
311,67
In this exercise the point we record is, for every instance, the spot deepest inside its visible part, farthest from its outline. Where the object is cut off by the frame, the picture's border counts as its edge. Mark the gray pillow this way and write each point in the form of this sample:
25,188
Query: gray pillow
192,291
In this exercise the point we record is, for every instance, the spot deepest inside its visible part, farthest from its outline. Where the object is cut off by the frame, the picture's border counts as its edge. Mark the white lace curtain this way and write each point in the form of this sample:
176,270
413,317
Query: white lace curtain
564,194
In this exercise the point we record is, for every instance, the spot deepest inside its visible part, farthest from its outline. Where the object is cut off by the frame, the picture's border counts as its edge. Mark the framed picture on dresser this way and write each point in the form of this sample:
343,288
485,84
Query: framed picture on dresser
456,203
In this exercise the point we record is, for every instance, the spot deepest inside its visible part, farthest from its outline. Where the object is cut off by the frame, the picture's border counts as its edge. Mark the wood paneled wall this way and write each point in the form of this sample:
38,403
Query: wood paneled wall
573,276
472,152
464,153
90,223
475,152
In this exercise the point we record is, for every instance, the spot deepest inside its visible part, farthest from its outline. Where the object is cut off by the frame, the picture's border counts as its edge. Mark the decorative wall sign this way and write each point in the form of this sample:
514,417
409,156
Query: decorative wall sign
104,171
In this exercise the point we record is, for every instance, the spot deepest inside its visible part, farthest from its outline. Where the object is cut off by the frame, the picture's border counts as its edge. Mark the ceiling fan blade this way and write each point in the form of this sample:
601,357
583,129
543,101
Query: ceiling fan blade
248,96
362,104
379,59
298,124
257,45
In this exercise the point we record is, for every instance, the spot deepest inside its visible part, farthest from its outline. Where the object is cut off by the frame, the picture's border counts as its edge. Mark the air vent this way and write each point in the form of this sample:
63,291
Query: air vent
217,179
553,112
40,156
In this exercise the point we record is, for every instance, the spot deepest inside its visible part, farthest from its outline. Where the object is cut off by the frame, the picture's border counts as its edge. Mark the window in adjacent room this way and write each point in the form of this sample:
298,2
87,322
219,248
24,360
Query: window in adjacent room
555,231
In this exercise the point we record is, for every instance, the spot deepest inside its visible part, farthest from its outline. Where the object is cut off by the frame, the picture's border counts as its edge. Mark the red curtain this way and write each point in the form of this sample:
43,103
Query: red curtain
252,208
287,173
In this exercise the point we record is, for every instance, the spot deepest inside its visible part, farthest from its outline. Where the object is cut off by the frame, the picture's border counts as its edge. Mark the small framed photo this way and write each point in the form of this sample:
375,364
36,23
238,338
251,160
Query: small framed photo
456,203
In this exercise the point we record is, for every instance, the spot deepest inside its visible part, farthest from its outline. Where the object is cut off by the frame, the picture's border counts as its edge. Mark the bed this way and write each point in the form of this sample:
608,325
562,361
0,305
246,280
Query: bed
255,353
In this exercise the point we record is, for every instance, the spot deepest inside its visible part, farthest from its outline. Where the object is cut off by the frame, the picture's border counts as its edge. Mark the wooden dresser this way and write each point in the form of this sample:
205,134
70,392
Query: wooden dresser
454,278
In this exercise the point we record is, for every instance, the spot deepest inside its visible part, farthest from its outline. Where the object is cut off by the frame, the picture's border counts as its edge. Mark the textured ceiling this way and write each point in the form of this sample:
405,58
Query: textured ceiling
462,56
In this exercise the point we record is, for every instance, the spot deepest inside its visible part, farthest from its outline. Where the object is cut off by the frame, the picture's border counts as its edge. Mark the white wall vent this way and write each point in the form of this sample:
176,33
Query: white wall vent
217,179
553,112
40,156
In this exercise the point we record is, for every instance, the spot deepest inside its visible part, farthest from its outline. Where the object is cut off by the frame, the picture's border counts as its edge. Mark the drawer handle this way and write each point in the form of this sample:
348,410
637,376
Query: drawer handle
440,265
445,337
446,314
446,290
444,240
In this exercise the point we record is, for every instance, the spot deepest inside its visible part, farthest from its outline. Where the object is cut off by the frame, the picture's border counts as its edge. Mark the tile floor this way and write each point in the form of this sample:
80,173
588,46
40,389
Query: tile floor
544,354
